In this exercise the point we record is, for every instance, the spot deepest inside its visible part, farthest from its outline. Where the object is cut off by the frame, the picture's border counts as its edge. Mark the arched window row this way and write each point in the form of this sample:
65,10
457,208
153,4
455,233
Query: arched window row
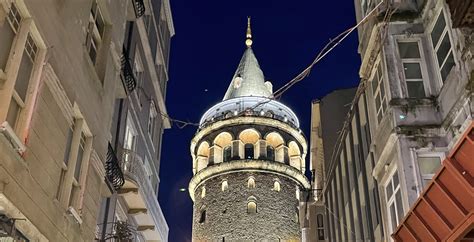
251,184
248,145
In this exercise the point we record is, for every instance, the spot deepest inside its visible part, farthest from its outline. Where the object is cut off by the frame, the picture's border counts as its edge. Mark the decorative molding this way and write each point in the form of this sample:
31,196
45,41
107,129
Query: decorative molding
58,92
169,17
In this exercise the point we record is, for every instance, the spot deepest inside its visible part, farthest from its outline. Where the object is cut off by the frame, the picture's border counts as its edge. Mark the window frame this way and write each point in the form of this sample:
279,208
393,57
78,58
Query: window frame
446,31
392,199
379,67
425,153
94,39
151,125
421,61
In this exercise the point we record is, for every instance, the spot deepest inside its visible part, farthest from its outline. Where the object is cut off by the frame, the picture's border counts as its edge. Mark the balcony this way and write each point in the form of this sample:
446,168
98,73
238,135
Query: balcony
141,199
462,13
128,79
112,169
121,231
135,10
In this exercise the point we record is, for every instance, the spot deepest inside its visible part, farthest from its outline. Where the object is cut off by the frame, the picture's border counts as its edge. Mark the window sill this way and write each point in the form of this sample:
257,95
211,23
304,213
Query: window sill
72,211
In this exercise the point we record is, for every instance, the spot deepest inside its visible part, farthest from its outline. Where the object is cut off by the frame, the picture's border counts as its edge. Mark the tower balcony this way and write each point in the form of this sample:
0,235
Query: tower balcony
140,198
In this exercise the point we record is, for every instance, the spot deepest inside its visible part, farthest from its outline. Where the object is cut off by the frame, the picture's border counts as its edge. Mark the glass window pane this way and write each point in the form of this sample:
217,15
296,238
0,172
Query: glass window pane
409,50
393,216
377,102
416,89
412,70
374,83
443,49
429,165
6,38
13,112
389,190
21,84
448,65
395,180
398,202
438,29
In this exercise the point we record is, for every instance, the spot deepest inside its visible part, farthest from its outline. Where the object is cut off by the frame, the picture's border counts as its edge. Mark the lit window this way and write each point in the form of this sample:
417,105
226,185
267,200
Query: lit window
443,48
394,201
153,113
129,143
428,165
251,207
225,185
378,91
412,68
203,192
251,183
95,31
276,186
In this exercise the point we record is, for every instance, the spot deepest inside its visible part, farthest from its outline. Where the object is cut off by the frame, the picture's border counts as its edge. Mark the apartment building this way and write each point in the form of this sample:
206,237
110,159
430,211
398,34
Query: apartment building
138,123
411,107
62,69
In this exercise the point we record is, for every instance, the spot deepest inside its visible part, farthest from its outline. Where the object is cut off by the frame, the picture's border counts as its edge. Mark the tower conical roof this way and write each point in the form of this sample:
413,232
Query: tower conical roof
248,80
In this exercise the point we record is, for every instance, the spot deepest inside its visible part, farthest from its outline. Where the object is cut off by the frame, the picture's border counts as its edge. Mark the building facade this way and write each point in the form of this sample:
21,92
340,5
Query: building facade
139,120
248,163
62,69
411,107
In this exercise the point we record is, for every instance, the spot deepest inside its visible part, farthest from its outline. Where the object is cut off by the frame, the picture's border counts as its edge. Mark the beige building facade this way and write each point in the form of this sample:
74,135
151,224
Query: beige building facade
60,75
412,105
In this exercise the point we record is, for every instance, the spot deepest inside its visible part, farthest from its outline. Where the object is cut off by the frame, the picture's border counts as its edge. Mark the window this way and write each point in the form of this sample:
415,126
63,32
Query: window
412,68
252,207
227,153
428,165
225,185
443,48
7,35
249,154
378,91
202,217
203,192
270,153
138,73
152,121
95,31
320,228
129,143
276,186
251,183
394,202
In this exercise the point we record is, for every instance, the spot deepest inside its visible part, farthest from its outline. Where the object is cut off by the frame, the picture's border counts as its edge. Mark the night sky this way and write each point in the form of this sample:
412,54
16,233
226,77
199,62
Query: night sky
205,52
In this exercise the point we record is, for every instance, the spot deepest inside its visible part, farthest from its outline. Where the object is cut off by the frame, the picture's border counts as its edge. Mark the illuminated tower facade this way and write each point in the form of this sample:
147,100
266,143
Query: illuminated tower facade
248,163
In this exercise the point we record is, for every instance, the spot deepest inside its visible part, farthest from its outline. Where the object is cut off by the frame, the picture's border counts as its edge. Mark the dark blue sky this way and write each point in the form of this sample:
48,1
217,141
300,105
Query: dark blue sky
205,52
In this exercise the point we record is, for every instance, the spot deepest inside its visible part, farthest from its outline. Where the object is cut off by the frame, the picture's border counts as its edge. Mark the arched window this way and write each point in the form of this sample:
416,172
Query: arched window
320,223
249,154
227,153
270,153
276,186
252,207
203,192
202,217
251,182
225,185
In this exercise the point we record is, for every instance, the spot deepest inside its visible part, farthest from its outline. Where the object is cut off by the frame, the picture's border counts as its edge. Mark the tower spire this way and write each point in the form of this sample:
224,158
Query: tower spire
248,41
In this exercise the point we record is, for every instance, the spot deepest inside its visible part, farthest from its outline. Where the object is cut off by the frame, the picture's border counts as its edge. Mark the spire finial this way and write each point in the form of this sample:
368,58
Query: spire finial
248,41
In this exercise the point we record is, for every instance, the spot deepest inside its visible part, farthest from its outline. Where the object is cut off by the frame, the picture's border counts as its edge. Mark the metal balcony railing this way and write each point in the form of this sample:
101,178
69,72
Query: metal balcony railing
139,7
112,169
128,78
120,231
133,165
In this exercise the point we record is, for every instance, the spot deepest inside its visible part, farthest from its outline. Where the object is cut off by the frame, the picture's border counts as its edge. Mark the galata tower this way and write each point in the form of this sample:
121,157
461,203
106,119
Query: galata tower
248,163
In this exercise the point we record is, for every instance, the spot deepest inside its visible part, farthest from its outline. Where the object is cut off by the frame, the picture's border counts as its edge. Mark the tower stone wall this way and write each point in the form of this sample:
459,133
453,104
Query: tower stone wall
226,212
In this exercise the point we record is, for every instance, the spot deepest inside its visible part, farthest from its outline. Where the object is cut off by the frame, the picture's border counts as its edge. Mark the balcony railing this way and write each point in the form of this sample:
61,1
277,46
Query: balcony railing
134,167
120,231
128,78
139,7
112,169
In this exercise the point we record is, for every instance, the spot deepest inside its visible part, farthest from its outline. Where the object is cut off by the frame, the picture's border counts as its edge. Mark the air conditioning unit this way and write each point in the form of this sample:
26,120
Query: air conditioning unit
7,130
75,214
